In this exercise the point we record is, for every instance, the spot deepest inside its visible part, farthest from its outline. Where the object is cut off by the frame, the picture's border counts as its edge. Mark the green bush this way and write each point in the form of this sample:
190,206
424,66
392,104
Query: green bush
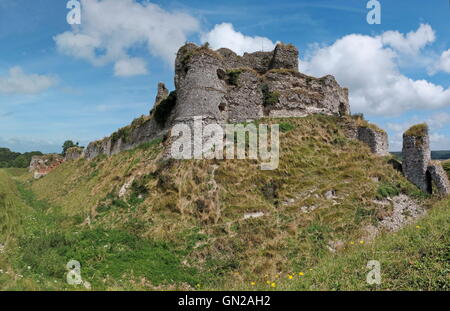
233,76
269,98
286,127
386,190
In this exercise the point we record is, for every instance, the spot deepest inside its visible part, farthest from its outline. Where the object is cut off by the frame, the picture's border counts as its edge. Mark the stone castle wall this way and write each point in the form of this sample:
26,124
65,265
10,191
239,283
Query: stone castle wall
376,139
223,87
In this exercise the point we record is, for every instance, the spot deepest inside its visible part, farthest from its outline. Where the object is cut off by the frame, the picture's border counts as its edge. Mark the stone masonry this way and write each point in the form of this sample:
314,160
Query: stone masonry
440,178
417,165
73,153
417,156
377,140
224,87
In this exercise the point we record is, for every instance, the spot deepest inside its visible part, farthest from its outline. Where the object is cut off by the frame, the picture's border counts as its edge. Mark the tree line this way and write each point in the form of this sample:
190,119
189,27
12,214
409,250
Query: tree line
9,158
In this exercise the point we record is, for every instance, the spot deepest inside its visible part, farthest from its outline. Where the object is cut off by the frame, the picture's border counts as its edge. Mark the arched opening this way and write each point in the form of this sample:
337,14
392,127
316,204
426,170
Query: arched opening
429,182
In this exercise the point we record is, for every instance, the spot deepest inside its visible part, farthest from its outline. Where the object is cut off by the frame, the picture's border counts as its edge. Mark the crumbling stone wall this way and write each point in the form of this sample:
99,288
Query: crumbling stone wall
224,87
126,138
42,165
417,156
417,165
161,94
73,153
377,139
439,177
359,129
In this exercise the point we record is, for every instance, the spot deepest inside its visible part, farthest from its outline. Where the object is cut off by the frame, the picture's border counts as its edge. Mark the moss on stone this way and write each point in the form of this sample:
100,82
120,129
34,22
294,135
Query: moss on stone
418,130
74,149
233,76
270,98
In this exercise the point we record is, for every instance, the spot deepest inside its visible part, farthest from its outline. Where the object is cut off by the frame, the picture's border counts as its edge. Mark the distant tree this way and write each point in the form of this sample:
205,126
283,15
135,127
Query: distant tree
16,159
21,161
68,144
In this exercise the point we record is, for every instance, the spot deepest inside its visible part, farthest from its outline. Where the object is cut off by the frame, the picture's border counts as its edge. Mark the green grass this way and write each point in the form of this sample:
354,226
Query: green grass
415,258
182,222
446,166
45,240
387,190
418,130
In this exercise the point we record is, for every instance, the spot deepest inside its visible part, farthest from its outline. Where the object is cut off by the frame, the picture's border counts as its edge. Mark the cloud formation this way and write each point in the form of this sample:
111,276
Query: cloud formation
19,82
130,67
443,64
368,66
224,35
110,29
436,122
412,42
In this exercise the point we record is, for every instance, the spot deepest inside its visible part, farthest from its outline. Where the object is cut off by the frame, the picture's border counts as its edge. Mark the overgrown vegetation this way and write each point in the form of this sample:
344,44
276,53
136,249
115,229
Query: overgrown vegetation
233,76
269,98
286,127
446,166
418,130
163,110
387,190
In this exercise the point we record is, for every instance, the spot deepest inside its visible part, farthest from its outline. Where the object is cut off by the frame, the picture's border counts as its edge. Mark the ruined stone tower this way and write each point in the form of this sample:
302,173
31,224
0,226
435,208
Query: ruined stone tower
417,156
417,165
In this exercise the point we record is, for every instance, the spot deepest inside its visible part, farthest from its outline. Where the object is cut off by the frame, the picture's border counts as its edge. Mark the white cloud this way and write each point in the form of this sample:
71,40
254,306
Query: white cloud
224,36
110,28
130,67
443,64
439,142
410,43
436,122
370,70
19,82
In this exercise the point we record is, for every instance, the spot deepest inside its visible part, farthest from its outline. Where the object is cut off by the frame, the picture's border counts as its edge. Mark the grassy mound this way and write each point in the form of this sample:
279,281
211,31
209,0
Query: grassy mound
193,222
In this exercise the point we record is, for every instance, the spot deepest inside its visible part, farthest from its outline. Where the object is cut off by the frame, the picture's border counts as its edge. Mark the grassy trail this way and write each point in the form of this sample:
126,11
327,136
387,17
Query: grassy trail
39,242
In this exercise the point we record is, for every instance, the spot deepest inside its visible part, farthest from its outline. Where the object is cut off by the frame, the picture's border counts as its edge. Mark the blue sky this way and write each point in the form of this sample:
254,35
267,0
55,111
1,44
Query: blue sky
60,82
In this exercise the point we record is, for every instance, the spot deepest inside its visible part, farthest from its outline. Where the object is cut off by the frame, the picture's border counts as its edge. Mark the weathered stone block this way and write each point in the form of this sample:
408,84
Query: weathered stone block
376,139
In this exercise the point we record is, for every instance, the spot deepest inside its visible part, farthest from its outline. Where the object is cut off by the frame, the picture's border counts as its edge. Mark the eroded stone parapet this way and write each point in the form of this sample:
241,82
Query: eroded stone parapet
74,153
161,94
439,177
417,156
285,56
375,138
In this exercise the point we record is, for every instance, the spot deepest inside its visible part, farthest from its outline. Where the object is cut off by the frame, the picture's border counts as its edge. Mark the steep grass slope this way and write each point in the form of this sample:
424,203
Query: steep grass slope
137,221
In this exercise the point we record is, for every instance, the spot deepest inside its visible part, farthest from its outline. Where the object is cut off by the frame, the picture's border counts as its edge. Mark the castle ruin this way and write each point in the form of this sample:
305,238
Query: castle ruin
417,165
223,87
